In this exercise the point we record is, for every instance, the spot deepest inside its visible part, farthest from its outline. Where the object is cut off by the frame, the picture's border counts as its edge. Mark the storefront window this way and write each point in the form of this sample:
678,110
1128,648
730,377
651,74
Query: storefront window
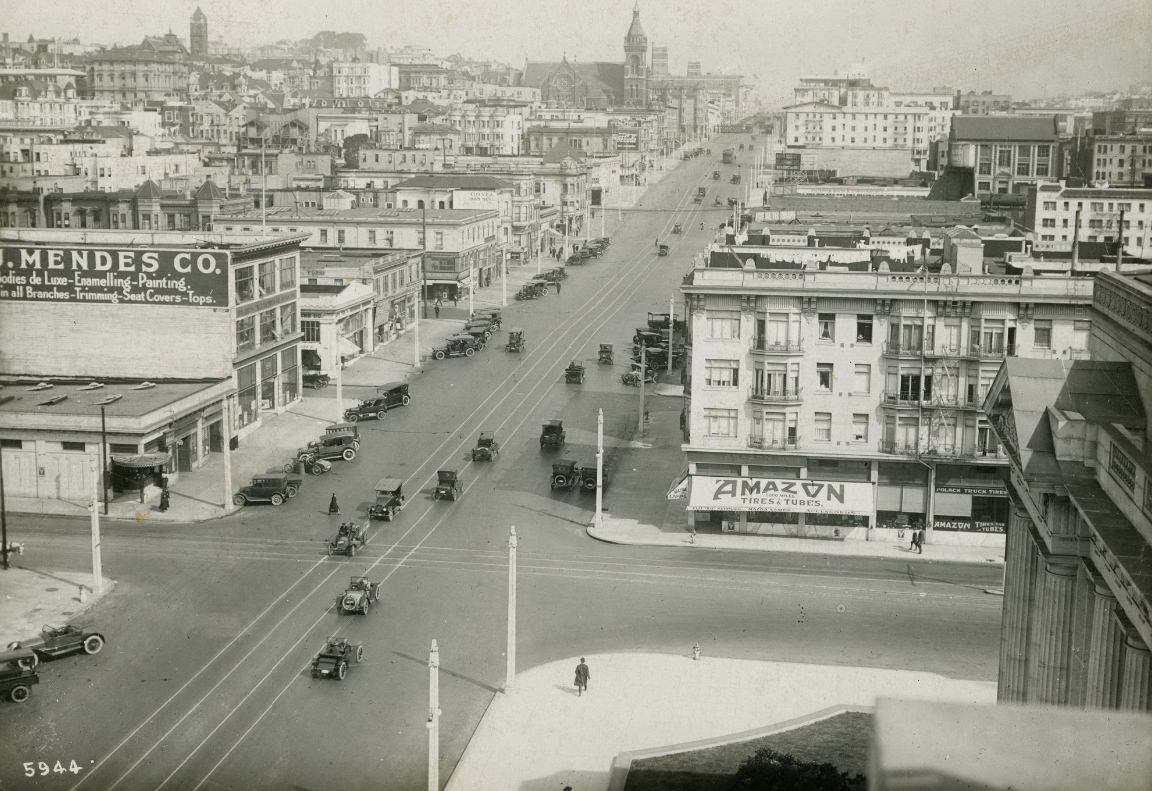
311,330
289,373
268,383
245,287
267,278
245,334
246,395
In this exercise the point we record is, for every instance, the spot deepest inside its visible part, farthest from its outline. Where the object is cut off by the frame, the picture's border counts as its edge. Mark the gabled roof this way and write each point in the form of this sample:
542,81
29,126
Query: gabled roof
149,191
995,128
603,79
208,191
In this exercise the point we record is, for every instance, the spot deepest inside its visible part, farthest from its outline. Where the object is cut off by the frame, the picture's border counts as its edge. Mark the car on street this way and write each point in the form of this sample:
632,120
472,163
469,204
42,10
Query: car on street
487,448
350,537
389,499
333,659
316,380
54,641
457,346
552,434
447,485
16,682
275,488
358,596
330,446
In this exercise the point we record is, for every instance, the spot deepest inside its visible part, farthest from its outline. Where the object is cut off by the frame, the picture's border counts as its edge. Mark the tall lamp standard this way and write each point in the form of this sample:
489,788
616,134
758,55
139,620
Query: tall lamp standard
4,550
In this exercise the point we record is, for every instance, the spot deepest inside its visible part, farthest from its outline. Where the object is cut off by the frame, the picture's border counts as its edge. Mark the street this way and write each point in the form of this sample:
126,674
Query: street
211,629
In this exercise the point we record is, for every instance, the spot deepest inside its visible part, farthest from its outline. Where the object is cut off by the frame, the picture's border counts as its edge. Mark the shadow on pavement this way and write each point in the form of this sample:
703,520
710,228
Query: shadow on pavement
423,662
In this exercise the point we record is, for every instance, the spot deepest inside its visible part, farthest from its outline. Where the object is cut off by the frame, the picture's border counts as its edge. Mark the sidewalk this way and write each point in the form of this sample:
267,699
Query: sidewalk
541,736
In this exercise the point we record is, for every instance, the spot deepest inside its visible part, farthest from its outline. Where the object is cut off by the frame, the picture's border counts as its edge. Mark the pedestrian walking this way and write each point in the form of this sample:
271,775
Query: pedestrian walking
919,542
436,308
657,241
557,288
582,676
912,542
333,506
164,499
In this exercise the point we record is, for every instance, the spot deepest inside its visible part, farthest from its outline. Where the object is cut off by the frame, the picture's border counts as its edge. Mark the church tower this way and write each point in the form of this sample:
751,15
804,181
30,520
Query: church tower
198,34
636,63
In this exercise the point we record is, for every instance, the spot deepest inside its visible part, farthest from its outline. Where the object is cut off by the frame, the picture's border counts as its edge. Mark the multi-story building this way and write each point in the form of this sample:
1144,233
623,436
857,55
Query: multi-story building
983,103
489,128
836,392
149,72
1121,122
1077,625
117,309
1004,154
1054,208
1122,160
356,78
462,191
32,105
460,245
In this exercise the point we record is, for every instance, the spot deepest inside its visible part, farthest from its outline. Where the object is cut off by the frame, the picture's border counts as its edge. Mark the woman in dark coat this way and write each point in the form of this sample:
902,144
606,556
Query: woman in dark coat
333,506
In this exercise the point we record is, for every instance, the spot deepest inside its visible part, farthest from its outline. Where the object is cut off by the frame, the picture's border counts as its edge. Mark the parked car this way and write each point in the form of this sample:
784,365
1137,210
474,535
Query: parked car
487,448
389,499
588,478
56,641
367,408
350,537
565,474
330,446
552,434
358,596
447,485
479,325
271,487
456,346
16,682
493,315
333,659
316,380
605,355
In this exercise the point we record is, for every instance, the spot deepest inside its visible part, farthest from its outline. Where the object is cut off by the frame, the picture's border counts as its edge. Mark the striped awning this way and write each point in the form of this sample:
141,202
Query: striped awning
141,461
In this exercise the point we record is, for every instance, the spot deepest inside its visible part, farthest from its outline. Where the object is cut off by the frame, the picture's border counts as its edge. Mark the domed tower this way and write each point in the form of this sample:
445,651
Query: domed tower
198,34
636,63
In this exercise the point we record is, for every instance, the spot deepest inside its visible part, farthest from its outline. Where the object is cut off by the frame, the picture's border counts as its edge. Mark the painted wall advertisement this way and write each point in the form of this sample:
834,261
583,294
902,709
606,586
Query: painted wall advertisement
709,493
963,524
113,276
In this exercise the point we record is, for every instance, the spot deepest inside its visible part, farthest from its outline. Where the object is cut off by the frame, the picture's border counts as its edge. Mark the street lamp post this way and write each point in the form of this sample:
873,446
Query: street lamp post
671,328
643,374
97,566
4,551
599,521
510,672
434,718
104,458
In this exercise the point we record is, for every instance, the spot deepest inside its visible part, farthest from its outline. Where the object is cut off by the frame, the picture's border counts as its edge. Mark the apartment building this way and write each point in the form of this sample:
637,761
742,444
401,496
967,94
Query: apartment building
856,379
1122,160
1053,208
495,129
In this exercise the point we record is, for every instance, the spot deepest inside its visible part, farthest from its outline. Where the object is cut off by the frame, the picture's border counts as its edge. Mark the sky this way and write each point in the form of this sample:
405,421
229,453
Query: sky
1029,48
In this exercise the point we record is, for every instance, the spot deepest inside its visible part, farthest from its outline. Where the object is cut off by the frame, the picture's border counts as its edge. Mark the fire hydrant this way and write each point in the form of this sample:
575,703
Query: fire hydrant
695,651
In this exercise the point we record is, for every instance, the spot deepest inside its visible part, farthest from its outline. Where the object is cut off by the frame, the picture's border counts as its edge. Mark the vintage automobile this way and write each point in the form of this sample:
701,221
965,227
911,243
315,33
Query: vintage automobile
358,596
540,282
313,467
649,338
605,355
588,478
330,446
316,380
603,241
456,346
60,640
552,434
479,327
733,201
574,373
735,179
659,322
515,340
556,273
633,377
478,333
349,538
565,474
663,250
389,499
715,175
23,658
335,656
447,485
16,682
493,316
345,428
526,292
487,448
367,408
677,228
699,199
271,487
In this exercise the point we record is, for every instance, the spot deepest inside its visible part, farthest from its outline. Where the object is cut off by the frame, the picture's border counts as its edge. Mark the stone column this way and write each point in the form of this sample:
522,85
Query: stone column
1019,580
1135,686
1052,646
1105,652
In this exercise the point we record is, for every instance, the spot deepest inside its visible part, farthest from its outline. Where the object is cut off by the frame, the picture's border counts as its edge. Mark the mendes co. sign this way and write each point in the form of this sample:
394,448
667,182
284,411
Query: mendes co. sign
113,276
709,493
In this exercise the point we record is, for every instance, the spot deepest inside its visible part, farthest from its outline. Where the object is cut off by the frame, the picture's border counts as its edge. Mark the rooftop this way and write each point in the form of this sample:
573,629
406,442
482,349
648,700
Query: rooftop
1003,127
235,241
18,397
363,214
463,181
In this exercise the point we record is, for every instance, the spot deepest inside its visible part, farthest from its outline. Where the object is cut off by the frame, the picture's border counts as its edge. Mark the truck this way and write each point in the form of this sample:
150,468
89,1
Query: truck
701,192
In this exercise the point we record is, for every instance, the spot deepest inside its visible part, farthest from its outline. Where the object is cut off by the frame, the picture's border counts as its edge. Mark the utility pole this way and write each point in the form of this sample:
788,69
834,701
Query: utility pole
599,519
4,551
226,431
671,329
339,372
643,376
97,566
416,329
434,718
104,458
510,672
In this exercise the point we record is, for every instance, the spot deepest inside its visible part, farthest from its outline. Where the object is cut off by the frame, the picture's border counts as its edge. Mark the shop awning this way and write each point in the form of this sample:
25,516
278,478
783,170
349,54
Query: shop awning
141,461
348,348
679,488
735,493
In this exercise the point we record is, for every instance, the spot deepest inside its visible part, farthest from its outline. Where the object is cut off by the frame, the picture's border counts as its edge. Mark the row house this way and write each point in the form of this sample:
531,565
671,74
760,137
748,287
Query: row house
459,245
859,380
216,122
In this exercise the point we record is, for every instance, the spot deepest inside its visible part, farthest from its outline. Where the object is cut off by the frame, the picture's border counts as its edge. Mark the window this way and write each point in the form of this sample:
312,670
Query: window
268,332
862,379
720,422
11,444
1080,332
863,328
827,326
311,330
823,426
267,278
1123,469
371,237
80,446
1043,338
859,427
288,319
287,273
438,240
723,324
721,373
245,334
824,376
245,288
389,238
323,236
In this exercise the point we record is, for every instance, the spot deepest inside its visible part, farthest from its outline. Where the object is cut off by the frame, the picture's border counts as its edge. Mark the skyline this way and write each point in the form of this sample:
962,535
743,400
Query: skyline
771,48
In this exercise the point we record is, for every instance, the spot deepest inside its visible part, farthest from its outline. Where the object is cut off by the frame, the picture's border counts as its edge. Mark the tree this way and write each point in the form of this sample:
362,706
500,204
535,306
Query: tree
769,770
352,146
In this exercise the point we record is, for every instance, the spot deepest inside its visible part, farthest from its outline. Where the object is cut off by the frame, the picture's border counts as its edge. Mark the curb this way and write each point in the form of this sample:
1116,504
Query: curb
622,763
472,739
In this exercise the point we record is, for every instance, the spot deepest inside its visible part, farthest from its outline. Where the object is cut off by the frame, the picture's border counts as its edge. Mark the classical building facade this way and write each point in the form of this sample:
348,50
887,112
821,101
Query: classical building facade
154,71
1077,621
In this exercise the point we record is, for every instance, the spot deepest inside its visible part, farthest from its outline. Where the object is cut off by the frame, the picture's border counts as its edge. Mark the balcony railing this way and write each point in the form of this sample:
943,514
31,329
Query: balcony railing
769,346
899,349
900,447
776,396
904,400
766,443
995,351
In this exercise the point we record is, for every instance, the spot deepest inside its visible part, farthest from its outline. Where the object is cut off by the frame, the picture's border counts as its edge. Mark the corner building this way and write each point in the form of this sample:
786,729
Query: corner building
835,394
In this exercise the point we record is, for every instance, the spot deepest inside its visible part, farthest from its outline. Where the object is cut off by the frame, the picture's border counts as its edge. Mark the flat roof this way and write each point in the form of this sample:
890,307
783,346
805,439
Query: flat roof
230,240
361,214
17,397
